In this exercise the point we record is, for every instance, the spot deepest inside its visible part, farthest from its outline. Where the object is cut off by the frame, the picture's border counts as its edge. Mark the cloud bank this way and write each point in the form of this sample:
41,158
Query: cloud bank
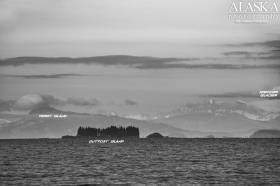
130,102
270,50
141,62
42,76
33,101
254,94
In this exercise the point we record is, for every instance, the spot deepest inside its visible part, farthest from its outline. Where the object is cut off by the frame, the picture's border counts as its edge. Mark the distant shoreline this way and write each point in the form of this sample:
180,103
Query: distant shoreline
141,138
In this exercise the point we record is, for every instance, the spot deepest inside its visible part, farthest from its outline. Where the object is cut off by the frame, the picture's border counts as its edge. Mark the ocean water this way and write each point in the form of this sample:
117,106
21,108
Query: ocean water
140,162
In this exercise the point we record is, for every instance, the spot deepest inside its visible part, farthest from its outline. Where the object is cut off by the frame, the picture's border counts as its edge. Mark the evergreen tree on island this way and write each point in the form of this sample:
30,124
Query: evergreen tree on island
110,132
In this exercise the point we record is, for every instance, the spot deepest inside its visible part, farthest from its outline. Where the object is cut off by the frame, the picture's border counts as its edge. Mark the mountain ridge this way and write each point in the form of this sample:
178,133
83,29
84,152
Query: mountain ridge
33,126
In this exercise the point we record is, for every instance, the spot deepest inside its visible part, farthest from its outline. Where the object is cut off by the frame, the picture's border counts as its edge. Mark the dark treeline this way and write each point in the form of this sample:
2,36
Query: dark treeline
112,131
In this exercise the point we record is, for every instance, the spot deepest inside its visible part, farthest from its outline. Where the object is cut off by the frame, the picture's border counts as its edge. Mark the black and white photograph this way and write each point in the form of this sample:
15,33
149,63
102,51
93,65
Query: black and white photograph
139,92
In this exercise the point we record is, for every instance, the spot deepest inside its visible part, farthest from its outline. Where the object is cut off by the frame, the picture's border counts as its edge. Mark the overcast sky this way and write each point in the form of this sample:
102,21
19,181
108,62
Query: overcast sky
227,60
103,27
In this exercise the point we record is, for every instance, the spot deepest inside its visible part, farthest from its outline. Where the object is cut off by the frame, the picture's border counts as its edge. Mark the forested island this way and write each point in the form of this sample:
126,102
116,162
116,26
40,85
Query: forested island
109,132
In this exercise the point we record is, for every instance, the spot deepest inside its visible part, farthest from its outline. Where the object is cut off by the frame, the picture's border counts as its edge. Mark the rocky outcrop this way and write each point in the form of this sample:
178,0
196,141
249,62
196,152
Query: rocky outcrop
155,135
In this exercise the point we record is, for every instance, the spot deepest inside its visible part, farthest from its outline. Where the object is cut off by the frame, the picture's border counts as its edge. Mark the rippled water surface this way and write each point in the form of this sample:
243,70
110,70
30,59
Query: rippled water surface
152,162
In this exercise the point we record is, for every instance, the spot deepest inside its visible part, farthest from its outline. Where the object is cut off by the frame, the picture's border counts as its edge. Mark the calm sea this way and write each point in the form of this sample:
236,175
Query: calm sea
145,161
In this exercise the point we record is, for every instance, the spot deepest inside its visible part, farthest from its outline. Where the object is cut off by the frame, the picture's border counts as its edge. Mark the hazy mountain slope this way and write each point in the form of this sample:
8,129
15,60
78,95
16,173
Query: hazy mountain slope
266,134
237,117
32,126
233,123
8,118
